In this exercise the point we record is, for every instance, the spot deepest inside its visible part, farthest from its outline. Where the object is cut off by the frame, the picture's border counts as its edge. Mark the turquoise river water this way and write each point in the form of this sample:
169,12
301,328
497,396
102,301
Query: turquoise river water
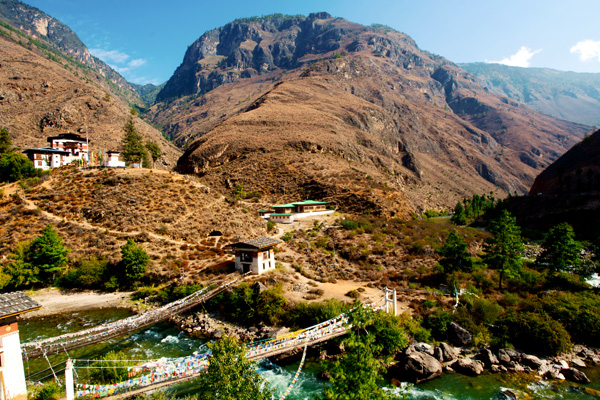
164,340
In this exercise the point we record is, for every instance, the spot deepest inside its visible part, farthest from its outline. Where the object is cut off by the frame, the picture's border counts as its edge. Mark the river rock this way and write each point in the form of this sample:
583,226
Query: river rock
459,335
419,367
575,375
578,362
438,354
488,358
514,366
503,356
420,348
532,362
468,366
448,351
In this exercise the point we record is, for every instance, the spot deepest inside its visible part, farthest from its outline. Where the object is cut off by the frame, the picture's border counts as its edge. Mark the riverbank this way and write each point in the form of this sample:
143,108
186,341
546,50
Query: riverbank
55,301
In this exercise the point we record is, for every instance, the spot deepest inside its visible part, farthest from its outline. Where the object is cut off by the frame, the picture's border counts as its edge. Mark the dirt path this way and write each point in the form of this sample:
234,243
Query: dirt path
54,301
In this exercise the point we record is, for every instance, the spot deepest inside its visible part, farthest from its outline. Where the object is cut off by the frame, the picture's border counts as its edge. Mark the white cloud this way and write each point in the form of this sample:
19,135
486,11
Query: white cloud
109,56
521,58
138,62
587,50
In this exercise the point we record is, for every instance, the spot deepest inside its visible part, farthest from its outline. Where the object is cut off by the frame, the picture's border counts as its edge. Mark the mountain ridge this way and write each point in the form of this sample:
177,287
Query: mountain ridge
425,107
573,96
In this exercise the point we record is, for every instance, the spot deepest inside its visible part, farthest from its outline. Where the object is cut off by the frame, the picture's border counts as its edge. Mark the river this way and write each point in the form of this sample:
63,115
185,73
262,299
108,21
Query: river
164,340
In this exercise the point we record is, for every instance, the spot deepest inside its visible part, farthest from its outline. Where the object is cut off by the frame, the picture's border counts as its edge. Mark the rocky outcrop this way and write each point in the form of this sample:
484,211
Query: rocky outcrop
459,335
421,362
419,367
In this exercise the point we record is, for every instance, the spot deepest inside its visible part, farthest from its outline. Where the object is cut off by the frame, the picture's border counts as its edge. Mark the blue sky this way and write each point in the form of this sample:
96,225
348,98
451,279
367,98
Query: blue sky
146,40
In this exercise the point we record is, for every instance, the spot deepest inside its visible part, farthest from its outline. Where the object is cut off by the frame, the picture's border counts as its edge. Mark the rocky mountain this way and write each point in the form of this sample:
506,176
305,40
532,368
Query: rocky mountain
575,172
50,34
307,106
40,97
571,96
568,190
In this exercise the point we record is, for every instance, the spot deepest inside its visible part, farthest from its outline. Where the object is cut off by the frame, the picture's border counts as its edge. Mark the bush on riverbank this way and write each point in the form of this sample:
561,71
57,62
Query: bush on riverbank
50,390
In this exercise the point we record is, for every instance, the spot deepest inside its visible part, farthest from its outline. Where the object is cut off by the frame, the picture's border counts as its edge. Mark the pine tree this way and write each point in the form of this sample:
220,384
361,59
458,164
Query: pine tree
561,251
503,250
459,217
133,150
230,376
454,254
48,253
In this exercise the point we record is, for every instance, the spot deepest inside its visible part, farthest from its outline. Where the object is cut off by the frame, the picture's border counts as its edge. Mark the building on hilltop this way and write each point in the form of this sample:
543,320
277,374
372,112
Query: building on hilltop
112,160
255,255
288,213
64,149
12,374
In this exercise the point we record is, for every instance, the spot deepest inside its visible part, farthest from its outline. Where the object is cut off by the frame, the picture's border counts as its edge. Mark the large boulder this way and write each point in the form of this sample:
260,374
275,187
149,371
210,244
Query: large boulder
503,356
532,362
448,352
420,348
459,335
468,366
575,375
419,367
488,357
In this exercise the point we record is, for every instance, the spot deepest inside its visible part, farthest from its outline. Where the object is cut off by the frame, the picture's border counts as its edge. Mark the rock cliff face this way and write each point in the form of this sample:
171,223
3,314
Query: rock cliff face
575,172
280,91
39,25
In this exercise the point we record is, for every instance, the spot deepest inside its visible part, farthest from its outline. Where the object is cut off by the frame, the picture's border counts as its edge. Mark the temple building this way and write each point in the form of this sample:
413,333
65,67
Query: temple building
64,149
288,213
255,255
12,374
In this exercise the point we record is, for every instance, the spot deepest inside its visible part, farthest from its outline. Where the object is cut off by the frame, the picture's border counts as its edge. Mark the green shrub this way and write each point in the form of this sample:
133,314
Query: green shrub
536,333
303,314
89,274
437,322
413,326
50,390
16,166
349,225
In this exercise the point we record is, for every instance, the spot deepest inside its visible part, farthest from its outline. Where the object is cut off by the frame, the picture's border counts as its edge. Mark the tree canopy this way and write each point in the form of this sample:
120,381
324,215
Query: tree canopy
15,166
454,253
230,376
48,253
135,261
154,151
133,150
562,253
503,249
356,373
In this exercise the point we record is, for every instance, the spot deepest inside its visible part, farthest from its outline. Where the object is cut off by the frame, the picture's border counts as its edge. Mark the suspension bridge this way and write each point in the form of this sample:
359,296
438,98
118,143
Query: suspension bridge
147,375
103,332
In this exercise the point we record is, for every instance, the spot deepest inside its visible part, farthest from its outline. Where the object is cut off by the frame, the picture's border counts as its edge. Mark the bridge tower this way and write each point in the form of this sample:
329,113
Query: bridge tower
390,299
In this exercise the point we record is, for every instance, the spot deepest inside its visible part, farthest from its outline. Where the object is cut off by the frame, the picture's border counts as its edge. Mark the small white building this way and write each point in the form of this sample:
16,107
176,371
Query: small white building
47,157
12,374
282,218
255,255
112,160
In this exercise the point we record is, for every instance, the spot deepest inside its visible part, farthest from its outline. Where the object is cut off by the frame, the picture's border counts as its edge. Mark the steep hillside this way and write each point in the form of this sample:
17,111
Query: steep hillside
346,108
48,33
570,96
575,172
40,97
96,211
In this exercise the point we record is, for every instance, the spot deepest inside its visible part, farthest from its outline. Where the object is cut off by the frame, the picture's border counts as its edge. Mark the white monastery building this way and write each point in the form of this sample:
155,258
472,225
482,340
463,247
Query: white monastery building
64,149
